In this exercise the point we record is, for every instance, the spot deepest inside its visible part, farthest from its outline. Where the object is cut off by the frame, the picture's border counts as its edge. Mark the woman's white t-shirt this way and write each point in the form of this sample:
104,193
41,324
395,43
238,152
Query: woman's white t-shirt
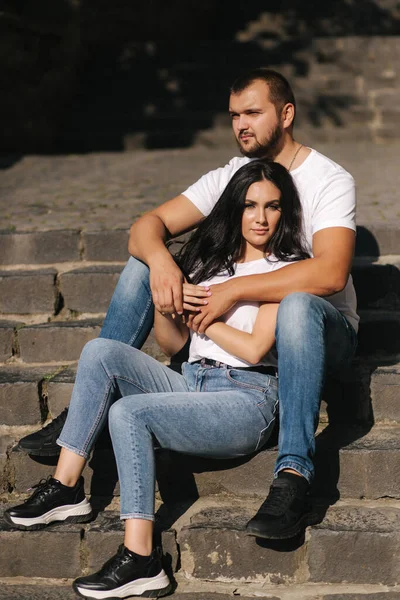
241,316
327,196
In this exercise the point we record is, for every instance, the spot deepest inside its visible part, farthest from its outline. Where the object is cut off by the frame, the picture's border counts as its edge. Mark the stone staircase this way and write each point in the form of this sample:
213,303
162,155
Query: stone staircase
49,311
346,89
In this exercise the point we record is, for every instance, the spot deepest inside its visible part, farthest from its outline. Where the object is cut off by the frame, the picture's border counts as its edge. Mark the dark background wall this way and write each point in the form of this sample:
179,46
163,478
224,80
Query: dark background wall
82,75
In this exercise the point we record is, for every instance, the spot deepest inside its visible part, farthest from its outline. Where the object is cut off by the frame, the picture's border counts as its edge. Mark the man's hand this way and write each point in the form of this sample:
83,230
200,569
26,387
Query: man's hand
166,281
220,301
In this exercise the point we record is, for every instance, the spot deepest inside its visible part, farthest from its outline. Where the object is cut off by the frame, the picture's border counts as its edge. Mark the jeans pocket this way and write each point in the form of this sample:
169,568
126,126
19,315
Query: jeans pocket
249,380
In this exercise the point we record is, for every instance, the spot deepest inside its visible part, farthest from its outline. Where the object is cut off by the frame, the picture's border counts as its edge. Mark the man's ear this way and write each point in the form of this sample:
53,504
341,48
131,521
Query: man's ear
288,113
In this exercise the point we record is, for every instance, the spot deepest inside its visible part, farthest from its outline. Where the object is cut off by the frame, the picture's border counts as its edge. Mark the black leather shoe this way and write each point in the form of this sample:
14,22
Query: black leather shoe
43,442
51,501
126,574
285,512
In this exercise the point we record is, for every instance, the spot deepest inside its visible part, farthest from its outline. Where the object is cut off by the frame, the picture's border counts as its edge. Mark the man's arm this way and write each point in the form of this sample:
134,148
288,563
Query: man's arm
147,243
324,274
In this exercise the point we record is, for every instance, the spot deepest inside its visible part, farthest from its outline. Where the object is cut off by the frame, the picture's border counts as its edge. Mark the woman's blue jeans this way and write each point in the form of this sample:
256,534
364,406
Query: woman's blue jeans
207,411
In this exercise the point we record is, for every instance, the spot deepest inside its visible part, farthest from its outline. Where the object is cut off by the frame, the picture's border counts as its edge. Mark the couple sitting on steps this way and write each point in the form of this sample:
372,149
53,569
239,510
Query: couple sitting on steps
262,286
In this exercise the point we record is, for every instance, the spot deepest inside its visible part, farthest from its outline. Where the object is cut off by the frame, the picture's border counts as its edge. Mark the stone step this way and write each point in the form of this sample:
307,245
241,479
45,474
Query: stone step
73,245
88,289
52,589
356,543
58,246
62,341
357,462
367,393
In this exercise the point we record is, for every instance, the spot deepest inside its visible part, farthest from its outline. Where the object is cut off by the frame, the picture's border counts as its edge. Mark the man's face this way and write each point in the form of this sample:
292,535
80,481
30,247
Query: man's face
257,128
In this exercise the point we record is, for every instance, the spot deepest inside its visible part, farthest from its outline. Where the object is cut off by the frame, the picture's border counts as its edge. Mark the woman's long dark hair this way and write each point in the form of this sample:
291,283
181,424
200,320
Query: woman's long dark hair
216,244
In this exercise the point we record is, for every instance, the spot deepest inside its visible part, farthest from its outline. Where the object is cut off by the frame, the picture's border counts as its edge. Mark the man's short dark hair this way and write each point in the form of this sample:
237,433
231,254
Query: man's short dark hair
280,92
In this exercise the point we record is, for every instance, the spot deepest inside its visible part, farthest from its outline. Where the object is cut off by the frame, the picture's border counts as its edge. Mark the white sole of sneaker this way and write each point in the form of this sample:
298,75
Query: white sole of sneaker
152,587
61,513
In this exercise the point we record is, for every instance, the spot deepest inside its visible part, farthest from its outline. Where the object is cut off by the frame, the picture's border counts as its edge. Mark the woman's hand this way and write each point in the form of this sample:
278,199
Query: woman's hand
195,296
221,300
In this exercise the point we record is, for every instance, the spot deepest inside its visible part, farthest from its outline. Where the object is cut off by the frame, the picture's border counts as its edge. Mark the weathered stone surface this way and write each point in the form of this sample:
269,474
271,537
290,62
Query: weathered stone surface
347,459
39,247
385,393
105,245
23,559
101,478
361,596
25,292
19,395
7,331
214,546
353,515
378,240
90,289
354,557
27,471
37,592
58,390
6,442
58,341
377,286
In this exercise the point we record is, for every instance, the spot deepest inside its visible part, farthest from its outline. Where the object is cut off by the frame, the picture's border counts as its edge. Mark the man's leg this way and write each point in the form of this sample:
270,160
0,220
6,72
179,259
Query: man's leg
130,315
129,319
313,339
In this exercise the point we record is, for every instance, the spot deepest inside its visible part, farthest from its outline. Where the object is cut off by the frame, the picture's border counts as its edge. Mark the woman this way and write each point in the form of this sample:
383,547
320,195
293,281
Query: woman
223,405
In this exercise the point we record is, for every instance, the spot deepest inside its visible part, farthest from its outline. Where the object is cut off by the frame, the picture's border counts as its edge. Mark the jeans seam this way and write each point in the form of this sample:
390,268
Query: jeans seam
99,416
73,449
137,515
142,320
295,467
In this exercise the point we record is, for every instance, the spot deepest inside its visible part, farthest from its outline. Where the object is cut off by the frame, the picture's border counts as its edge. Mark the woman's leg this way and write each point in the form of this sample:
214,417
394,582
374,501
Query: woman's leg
232,418
107,371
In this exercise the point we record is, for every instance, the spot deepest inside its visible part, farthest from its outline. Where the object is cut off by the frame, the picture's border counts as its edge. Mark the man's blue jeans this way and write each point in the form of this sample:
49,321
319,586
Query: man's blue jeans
207,411
312,337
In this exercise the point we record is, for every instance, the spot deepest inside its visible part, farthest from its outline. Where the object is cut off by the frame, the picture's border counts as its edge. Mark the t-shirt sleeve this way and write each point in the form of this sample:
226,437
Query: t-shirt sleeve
335,203
206,191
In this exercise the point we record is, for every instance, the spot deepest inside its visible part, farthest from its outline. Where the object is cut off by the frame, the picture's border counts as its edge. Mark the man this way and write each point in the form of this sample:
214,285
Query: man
314,335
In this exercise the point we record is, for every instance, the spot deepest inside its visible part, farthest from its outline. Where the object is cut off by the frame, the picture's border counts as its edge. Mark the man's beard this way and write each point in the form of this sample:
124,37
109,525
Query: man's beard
268,148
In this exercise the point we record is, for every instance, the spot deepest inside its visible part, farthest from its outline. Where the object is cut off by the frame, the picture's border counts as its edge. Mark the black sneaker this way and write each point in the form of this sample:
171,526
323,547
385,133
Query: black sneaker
126,574
43,442
51,501
285,512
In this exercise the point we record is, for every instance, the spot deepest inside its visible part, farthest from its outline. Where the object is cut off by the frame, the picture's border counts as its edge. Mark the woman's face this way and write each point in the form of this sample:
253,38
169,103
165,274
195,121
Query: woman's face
261,217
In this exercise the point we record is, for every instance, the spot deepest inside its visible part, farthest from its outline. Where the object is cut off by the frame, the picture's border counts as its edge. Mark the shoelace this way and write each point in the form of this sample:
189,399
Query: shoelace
278,500
42,487
55,423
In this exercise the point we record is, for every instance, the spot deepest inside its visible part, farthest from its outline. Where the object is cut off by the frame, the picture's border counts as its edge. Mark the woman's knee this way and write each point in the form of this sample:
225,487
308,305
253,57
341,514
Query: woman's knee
97,349
126,411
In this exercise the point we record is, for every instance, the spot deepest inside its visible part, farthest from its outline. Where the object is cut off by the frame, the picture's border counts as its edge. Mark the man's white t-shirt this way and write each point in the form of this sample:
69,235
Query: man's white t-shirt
327,196
241,316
